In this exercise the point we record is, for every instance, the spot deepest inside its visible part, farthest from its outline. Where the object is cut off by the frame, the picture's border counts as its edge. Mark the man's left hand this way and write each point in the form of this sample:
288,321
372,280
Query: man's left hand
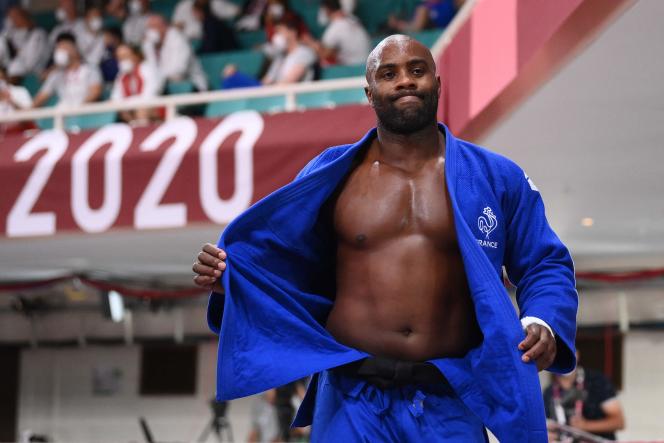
538,346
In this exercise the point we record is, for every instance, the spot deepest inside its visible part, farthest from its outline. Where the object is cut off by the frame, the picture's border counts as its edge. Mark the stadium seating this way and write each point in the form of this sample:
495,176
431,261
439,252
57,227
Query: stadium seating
339,71
32,83
179,87
218,109
89,121
248,62
164,7
251,39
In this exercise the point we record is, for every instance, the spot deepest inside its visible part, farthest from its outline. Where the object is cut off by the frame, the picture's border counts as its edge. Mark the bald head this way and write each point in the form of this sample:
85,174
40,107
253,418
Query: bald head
398,43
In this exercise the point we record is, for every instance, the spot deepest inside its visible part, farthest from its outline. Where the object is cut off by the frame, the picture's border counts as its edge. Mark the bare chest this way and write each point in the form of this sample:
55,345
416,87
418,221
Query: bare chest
378,203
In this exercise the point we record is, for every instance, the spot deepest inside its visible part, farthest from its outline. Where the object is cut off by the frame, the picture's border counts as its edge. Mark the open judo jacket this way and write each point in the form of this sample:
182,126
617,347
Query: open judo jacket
280,269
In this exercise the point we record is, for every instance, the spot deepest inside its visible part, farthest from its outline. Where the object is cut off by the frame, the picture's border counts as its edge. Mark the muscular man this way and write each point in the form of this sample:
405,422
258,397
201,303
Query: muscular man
380,269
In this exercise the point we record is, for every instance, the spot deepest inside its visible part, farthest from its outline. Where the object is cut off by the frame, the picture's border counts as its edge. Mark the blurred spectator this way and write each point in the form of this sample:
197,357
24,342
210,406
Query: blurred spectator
295,62
348,6
287,399
586,400
169,50
138,80
112,37
217,35
70,22
73,81
190,25
13,98
428,14
23,46
5,6
263,417
134,26
116,9
251,15
345,41
278,11
90,37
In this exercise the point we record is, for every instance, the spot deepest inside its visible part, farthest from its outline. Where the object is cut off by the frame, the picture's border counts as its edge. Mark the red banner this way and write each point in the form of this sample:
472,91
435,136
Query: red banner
167,176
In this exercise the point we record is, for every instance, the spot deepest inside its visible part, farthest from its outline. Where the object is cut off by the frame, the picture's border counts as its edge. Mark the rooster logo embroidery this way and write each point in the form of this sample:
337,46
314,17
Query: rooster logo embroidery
489,223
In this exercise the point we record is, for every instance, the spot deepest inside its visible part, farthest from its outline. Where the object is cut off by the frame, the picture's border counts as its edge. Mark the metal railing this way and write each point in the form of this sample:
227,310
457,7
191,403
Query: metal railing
172,102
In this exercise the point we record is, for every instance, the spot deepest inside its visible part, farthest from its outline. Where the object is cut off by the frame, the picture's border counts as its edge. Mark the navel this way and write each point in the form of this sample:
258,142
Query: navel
406,332
360,238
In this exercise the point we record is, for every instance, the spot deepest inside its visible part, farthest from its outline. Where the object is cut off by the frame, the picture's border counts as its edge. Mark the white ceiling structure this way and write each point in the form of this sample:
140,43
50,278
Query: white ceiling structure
592,138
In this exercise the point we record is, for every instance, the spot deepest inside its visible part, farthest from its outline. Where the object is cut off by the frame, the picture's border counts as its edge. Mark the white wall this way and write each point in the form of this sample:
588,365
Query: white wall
56,398
643,393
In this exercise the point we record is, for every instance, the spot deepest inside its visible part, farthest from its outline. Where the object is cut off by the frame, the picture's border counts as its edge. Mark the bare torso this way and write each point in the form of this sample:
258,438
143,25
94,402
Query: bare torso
401,283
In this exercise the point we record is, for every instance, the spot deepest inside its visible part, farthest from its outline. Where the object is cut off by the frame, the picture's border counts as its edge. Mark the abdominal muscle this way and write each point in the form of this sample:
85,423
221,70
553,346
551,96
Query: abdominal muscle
404,298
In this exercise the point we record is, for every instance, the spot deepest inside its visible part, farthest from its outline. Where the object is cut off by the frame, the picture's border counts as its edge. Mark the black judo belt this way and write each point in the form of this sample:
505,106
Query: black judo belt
387,373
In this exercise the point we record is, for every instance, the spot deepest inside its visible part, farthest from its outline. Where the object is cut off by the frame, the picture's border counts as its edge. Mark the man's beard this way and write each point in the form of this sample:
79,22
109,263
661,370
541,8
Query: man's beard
410,118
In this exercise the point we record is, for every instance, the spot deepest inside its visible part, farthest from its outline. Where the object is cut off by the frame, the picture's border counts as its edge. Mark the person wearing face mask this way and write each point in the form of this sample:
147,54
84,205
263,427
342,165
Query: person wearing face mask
170,51
90,38
345,41
185,19
295,62
23,46
278,11
134,25
73,81
275,12
68,21
137,80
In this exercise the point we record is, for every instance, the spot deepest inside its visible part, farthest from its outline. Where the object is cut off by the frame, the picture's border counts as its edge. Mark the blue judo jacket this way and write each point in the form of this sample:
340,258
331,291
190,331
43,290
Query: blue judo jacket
280,270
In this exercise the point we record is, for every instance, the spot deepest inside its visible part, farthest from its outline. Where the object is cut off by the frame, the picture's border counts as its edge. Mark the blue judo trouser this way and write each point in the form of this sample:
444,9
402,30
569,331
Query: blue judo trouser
349,410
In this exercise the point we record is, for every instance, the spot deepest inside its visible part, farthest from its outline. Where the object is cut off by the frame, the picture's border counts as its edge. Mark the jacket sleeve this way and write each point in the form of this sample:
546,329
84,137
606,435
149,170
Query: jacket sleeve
215,309
540,266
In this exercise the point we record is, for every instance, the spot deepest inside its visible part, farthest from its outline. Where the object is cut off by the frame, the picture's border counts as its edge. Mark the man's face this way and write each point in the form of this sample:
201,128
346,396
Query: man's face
403,88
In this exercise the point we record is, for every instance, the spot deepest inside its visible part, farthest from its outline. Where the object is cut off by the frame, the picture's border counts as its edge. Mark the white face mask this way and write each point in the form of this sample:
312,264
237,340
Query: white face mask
95,24
152,35
135,7
126,66
276,10
323,17
279,42
61,14
61,57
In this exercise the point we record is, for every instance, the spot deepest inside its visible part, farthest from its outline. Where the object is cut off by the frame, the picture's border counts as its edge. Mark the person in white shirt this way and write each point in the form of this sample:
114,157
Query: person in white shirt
69,20
12,98
295,62
28,42
133,28
137,80
90,38
170,51
73,81
345,41
185,19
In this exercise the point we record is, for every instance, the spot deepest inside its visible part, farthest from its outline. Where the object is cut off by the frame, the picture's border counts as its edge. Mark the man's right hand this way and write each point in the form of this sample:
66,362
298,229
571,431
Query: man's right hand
209,265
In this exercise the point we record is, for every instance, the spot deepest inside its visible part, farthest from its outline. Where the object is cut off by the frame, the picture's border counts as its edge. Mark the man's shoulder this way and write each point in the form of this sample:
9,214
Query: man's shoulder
475,156
327,156
330,154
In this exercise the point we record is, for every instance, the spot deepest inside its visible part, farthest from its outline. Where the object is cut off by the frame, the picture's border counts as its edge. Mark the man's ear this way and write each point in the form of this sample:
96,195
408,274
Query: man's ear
439,84
367,92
